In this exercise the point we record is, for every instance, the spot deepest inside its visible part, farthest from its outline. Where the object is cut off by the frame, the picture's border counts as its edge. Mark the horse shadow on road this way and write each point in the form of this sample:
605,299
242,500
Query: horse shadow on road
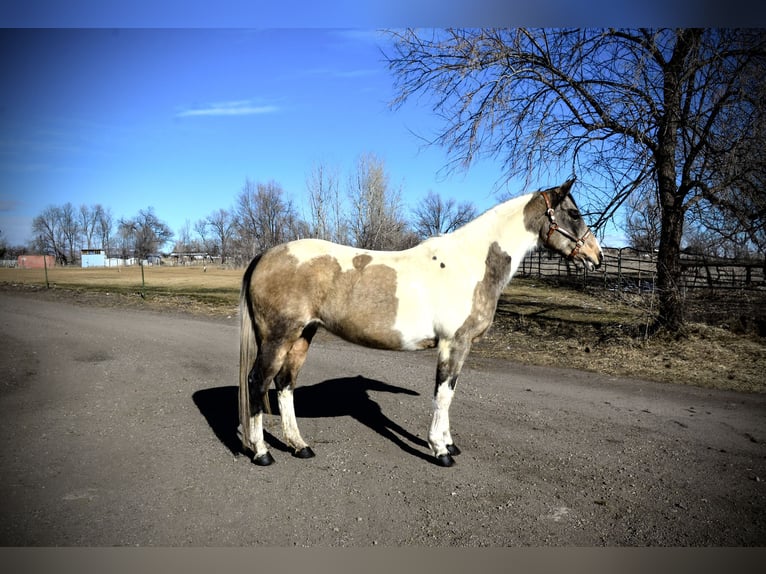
348,396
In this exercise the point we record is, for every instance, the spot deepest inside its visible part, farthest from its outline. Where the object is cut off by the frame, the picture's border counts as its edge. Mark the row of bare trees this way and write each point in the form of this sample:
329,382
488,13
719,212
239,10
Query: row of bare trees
367,212
63,231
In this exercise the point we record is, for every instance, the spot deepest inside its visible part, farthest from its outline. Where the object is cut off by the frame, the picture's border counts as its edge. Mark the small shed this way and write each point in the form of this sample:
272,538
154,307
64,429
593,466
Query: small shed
93,258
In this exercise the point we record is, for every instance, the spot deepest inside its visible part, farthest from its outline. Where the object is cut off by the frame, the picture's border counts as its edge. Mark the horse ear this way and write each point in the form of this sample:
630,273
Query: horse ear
566,187
558,194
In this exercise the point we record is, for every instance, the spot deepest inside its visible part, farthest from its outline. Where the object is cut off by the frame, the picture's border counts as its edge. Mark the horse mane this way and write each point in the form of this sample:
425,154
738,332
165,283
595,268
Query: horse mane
500,210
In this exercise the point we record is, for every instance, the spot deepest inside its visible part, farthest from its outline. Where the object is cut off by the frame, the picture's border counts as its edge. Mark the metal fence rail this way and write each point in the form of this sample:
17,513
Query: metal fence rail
629,269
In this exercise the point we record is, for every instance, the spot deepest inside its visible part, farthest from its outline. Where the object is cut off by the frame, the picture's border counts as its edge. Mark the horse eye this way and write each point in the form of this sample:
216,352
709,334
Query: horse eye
574,214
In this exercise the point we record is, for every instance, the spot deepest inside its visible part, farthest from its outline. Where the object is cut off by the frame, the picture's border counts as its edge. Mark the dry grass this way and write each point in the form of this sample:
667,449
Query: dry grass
535,323
211,290
157,277
607,333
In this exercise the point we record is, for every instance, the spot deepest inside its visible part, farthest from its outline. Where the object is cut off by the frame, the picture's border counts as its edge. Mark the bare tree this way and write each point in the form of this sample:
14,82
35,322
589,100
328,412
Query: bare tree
630,108
376,221
434,216
246,221
104,225
185,243
204,240
264,216
48,235
325,204
125,238
70,229
144,234
642,222
222,226
8,251
732,207
88,222
56,231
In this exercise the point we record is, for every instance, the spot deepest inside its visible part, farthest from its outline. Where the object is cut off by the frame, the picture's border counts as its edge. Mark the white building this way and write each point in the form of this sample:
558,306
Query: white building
93,258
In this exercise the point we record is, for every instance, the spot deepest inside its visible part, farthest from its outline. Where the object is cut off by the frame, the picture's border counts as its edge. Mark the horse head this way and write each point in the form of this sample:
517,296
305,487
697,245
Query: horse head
562,228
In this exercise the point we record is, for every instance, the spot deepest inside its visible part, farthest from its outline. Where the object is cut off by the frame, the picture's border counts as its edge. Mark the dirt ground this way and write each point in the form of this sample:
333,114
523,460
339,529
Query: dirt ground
120,430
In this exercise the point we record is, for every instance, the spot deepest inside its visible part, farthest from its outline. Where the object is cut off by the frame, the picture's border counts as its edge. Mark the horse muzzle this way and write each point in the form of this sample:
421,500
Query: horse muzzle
593,263
588,252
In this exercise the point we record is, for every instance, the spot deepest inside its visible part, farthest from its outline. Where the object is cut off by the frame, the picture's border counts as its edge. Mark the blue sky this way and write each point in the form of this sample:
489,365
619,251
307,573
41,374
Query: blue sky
175,103
178,119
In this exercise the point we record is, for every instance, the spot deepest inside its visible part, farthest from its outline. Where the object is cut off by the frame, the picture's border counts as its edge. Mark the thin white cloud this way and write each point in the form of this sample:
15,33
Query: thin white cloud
234,108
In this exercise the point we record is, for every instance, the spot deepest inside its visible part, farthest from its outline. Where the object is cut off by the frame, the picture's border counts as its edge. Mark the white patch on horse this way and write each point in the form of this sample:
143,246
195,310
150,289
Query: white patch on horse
439,434
289,425
254,436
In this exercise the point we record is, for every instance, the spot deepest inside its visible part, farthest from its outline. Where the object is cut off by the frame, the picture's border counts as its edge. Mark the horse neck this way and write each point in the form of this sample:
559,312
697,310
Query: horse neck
504,225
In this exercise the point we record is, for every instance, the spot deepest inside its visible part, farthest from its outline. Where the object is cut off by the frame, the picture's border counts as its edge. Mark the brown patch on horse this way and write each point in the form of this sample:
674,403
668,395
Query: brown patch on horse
286,293
497,273
358,304
362,305
361,261
534,214
535,209
426,343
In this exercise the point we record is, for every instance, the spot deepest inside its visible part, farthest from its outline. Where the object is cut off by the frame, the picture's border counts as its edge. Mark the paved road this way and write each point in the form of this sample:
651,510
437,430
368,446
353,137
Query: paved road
119,429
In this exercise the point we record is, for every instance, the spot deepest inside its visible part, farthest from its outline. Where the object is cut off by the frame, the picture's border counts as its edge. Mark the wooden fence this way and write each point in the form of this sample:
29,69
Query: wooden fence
631,270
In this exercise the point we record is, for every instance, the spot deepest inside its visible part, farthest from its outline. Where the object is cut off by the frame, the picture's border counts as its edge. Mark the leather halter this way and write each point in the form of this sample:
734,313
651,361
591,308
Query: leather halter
555,227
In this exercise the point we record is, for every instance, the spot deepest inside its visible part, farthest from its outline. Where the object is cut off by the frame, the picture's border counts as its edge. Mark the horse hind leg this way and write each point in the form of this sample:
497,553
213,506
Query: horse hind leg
285,383
257,401
267,365
252,403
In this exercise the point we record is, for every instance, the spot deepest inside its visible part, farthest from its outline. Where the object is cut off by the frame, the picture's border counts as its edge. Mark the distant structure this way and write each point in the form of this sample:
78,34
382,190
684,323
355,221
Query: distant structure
100,258
191,258
93,258
35,261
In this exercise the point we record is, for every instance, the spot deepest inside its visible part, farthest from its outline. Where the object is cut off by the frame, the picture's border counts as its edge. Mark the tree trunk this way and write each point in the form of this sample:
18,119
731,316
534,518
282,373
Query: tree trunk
670,290
671,192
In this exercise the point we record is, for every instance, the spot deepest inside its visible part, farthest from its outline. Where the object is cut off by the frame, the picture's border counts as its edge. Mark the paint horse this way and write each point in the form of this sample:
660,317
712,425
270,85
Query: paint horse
441,293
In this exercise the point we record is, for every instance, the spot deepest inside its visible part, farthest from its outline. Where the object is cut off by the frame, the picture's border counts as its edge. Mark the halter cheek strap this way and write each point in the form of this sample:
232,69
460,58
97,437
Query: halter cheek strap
555,227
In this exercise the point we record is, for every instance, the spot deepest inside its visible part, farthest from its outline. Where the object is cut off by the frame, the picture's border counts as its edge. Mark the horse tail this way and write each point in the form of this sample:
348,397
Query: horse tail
248,346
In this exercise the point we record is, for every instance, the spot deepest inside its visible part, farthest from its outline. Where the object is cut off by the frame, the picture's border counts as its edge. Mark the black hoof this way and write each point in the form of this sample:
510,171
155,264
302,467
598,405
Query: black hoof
305,452
264,459
453,449
445,460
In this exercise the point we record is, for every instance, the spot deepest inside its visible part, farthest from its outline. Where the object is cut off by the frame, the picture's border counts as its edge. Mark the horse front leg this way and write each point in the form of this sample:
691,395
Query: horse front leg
451,356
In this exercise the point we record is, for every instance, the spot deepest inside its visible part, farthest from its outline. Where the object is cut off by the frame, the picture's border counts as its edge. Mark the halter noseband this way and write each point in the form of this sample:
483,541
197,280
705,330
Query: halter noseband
555,227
